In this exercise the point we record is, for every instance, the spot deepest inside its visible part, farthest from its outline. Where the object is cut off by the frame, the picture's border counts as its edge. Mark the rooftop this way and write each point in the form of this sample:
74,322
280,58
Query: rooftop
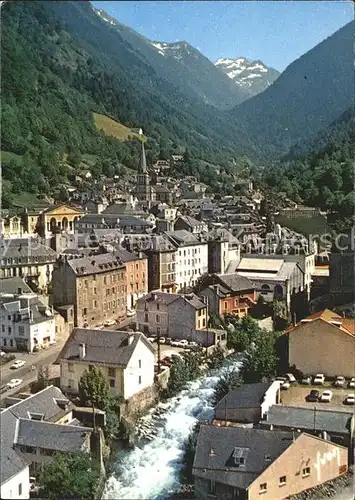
246,396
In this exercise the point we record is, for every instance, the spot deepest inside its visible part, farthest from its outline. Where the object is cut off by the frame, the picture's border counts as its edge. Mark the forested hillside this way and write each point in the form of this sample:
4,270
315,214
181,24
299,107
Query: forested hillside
61,63
325,177
307,97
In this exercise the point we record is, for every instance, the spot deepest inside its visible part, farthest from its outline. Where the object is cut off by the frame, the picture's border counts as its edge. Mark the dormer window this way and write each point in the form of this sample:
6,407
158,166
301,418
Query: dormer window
35,416
240,456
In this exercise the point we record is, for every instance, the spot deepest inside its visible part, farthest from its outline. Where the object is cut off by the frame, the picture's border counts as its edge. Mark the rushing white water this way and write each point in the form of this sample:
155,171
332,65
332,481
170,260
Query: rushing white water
151,470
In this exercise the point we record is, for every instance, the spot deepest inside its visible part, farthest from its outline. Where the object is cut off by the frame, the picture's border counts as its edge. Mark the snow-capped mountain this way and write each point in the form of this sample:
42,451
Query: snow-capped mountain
252,76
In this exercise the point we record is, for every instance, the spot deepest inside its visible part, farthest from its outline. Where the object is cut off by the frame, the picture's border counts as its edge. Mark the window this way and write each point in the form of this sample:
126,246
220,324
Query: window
85,311
70,367
4,342
203,322
112,372
112,382
9,329
225,306
20,489
140,363
11,343
9,318
306,471
158,306
3,328
157,318
71,383
139,379
95,291
212,487
263,488
282,481
21,330
146,317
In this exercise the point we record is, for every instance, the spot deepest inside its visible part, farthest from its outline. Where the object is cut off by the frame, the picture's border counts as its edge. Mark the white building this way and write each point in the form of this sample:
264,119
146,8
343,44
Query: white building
191,258
126,360
25,322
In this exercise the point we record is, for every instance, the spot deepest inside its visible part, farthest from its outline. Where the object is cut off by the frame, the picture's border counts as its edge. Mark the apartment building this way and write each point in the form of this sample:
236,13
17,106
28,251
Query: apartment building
95,285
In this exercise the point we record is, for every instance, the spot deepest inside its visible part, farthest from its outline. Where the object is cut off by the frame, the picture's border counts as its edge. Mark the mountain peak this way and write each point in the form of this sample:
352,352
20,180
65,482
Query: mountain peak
252,76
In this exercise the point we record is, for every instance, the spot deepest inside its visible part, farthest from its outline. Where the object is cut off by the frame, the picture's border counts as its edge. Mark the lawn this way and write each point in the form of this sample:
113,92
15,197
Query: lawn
114,128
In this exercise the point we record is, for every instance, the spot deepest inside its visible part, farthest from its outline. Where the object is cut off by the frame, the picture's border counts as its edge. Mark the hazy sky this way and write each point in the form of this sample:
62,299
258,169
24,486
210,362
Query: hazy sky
275,32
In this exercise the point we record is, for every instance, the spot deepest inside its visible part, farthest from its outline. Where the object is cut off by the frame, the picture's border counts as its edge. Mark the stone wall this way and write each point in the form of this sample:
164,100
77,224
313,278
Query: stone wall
139,402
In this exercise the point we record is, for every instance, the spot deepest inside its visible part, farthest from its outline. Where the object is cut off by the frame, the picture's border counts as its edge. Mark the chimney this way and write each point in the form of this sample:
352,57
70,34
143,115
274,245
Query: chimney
130,339
82,351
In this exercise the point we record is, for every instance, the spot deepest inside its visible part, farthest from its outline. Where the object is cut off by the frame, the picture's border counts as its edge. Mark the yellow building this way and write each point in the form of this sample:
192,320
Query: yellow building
53,218
11,225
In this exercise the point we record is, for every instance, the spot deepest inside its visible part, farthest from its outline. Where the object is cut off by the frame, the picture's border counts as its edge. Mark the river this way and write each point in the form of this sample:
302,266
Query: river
151,469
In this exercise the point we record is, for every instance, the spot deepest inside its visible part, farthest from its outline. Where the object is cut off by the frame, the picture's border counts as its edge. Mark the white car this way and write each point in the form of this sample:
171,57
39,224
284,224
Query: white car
161,340
285,385
14,383
291,378
2,353
151,339
350,400
17,364
193,344
339,381
326,396
319,379
352,382
184,343
175,343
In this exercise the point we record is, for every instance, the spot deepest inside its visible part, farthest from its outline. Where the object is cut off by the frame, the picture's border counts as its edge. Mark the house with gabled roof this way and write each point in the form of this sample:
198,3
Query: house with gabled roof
249,464
323,342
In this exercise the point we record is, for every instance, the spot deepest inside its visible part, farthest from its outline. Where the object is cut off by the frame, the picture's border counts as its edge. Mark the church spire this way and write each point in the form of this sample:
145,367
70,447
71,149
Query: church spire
142,168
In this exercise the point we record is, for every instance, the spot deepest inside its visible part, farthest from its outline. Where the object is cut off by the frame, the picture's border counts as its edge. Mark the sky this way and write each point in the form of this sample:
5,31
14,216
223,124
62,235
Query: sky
276,32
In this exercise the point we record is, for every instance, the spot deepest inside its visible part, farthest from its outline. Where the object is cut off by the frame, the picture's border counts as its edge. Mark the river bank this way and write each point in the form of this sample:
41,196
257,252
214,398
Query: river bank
152,468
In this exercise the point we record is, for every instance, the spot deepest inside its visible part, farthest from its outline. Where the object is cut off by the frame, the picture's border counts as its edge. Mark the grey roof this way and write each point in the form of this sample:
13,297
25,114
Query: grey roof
182,237
21,303
161,189
121,208
125,255
11,461
44,402
24,248
246,396
102,346
222,441
308,418
190,221
235,282
161,297
194,300
12,285
39,434
95,264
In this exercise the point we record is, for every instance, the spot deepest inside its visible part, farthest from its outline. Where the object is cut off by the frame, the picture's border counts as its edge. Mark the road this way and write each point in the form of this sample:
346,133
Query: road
38,359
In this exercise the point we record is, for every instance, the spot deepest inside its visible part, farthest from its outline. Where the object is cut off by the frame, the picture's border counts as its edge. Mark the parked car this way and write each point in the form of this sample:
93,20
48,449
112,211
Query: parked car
175,343
17,364
339,381
326,396
167,340
193,344
151,339
167,361
285,385
110,322
319,379
313,396
350,399
281,379
2,353
352,382
162,340
291,378
14,383
307,380
184,343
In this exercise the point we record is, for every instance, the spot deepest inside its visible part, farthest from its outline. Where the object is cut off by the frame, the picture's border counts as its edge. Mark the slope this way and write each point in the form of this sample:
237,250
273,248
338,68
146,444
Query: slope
312,92
183,66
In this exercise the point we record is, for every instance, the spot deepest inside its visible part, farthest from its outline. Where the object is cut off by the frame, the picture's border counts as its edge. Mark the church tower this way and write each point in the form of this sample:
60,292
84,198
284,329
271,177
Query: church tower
143,188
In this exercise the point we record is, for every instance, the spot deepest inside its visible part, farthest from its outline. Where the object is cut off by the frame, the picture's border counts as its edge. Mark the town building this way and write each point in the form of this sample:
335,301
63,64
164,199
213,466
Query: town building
127,224
274,279
223,251
26,323
243,463
162,257
143,190
187,223
126,360
342,270
191,258
228,294
323,343
172,315
56,218
332,424
94,285
33,430
249,403
29,259
136,274
11,224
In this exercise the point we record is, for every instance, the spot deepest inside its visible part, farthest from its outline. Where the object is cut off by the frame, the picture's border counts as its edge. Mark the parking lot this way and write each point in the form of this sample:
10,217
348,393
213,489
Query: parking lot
296,396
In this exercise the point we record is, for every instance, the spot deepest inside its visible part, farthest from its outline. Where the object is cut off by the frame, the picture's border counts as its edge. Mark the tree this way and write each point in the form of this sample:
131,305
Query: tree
189,453
217,357
260,361
94,389
69,476
42,377
227,383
